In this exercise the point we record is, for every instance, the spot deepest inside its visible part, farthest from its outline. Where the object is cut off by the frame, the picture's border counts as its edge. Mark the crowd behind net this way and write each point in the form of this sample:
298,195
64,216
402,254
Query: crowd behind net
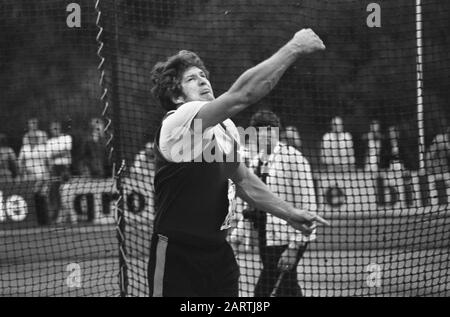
364,140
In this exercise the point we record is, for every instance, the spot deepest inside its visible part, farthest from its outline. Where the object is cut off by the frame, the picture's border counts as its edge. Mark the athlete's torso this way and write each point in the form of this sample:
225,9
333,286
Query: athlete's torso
191,198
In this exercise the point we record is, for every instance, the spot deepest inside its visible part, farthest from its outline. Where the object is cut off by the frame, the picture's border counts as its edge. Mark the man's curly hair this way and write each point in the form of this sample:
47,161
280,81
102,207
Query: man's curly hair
166,77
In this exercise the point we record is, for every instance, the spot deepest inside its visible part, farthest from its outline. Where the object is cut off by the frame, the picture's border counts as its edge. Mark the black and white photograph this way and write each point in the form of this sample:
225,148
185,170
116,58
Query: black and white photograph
227,153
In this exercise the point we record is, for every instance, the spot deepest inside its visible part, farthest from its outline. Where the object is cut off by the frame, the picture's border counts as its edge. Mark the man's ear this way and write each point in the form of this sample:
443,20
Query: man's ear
178,100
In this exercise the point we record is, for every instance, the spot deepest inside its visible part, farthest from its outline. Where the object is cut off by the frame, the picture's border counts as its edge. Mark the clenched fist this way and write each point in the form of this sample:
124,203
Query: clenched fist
306,41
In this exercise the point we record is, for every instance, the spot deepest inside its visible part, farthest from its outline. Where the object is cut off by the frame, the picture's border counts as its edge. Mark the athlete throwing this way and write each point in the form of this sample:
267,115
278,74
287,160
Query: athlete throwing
189,254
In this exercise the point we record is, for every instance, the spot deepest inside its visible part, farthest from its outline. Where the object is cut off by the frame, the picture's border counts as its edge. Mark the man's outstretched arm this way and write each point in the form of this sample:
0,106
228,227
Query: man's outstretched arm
259,80
251,189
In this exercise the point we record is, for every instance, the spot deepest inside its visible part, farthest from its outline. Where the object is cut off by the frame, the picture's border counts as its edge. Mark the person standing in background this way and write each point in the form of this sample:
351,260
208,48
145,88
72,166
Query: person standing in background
94,161
437,157
144,163
390,151
288,174
373,141
33,130
59,154
32,162
337,151
8,160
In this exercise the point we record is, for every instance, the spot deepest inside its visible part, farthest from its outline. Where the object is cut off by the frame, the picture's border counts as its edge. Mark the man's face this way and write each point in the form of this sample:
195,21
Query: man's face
55,129
97,126
393,132
195,86
32,124
337,125
375,127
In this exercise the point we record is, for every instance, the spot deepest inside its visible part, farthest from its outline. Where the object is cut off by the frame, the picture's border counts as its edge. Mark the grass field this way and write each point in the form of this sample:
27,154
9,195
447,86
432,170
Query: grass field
413,262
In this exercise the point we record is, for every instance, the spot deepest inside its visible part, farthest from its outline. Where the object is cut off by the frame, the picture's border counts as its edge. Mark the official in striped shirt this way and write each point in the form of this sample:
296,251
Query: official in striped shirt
287,173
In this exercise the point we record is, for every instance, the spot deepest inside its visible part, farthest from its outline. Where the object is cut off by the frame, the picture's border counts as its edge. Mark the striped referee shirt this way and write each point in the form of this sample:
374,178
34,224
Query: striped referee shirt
290,178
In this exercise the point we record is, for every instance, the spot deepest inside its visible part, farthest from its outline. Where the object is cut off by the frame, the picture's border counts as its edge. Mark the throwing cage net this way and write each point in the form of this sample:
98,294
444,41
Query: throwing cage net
54,168
364,140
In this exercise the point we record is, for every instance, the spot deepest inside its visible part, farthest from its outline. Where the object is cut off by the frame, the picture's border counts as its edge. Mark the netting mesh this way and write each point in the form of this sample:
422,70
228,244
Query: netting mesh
349,143
54,165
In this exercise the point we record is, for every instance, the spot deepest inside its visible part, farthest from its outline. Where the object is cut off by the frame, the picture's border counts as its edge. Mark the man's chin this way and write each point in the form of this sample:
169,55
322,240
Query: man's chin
207,97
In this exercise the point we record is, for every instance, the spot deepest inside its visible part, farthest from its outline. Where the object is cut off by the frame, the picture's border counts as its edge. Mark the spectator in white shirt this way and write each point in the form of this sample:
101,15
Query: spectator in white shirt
373,141
144,163
8,160
33,130
33,158
337,147
59,151
288,174
437,158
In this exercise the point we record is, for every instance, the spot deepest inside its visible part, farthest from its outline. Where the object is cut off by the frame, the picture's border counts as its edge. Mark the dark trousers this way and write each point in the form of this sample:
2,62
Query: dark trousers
180,269
60,175
288,286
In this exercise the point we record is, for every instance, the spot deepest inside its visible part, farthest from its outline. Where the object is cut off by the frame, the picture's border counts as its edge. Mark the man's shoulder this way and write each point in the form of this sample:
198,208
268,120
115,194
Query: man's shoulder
25,147
181,115
347,135
440,138
62,138
192,104
36,133
9,151
140,155
187,107
287,149
229,124
291,154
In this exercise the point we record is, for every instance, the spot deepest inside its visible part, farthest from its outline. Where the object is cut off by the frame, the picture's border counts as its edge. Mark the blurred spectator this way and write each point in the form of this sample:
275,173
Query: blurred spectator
8,160
144,163
337,147
33,130
59,148
33,158
373,141
94,161
291,137
390,151
437,157
59,155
